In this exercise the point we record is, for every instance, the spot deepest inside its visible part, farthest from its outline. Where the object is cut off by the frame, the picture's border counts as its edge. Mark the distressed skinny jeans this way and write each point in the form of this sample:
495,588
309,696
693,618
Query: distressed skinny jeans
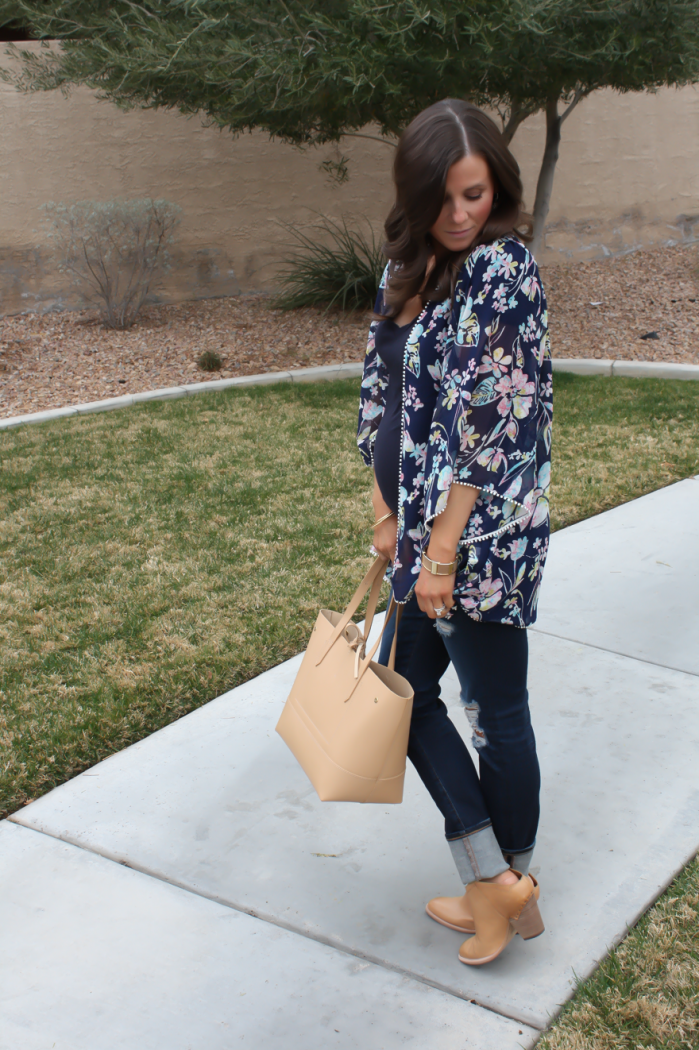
490,820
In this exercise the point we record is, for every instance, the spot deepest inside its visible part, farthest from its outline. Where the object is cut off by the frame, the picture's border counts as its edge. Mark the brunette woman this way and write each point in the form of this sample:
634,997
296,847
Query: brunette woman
455,419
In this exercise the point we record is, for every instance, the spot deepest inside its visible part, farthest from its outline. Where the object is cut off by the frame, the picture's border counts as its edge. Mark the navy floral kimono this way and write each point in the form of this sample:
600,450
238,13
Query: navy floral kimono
477,409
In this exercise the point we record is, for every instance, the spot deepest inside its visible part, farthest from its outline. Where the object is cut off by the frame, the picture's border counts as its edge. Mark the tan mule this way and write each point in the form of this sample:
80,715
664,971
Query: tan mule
499,911
455,912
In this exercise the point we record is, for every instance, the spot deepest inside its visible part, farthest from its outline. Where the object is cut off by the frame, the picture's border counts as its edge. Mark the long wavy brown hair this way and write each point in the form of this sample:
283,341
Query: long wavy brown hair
437,138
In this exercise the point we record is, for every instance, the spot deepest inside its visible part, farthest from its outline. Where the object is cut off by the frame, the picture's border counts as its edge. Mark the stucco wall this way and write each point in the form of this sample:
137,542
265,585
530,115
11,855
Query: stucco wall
628,175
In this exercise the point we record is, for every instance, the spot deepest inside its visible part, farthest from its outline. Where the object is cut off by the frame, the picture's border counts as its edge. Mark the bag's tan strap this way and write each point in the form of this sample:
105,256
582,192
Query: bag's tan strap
360,651
373,601
360,668
373,579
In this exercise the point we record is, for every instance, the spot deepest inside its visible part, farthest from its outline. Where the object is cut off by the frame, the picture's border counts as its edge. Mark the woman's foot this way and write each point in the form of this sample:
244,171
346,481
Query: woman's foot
499,910
455,912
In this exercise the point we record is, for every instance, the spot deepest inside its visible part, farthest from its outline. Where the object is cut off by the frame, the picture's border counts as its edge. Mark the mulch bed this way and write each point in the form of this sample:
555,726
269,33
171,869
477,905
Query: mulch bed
642,306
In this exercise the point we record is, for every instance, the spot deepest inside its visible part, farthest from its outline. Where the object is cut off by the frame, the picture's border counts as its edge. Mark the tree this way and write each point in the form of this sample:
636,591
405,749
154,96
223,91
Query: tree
313,73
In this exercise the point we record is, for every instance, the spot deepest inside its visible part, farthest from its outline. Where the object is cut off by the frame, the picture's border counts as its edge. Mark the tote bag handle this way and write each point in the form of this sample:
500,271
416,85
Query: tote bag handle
373,579
362,666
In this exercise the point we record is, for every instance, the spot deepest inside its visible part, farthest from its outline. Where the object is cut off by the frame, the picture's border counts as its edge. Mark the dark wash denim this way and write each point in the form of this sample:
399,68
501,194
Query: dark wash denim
490,660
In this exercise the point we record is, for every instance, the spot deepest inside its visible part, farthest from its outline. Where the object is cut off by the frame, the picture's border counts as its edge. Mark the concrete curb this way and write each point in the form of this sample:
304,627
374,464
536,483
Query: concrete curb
582,366
298,375
579,366
585,366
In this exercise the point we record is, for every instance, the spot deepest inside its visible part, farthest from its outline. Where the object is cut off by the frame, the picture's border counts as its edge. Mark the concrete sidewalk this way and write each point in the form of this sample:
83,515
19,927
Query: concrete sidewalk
191,891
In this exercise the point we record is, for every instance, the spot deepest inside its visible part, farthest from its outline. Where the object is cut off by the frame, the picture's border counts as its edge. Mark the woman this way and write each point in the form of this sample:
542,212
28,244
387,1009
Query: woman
455,419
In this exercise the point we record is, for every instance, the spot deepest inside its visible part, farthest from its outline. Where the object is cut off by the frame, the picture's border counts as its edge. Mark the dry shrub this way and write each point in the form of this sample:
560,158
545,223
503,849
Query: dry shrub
113,251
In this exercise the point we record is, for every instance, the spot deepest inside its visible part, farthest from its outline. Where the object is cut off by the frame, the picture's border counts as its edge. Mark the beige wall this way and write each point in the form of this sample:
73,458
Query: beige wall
628,175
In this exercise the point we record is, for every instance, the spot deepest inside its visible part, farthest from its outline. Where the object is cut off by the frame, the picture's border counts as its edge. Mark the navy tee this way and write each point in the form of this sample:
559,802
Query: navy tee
390,346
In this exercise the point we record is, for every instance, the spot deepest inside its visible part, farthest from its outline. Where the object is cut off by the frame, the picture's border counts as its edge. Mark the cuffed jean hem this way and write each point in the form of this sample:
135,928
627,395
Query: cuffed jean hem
520,861
477,856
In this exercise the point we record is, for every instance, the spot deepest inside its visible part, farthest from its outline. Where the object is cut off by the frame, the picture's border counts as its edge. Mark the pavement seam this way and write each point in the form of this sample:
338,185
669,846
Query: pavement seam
345,370
272,920
615,652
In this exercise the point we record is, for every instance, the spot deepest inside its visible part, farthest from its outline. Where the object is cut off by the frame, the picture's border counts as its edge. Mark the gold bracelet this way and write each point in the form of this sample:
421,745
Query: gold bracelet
439,568
382,520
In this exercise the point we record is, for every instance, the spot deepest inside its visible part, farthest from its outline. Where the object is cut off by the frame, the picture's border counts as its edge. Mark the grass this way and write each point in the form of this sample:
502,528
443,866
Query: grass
152,558
644,994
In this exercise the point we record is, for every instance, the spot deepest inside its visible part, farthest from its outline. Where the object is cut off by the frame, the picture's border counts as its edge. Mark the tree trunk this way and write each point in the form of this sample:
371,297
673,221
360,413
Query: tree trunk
544,186
517,115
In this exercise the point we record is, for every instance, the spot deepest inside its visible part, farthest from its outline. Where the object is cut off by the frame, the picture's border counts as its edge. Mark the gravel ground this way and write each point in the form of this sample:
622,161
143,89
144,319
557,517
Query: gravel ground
66,358
604,309
597,309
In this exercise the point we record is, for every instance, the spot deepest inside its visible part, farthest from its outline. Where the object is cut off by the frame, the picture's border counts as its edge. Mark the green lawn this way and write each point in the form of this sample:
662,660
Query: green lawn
644,994
154,557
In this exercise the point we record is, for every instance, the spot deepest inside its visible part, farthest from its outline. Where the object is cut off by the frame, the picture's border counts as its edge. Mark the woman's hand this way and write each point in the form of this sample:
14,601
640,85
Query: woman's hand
385,537
435,592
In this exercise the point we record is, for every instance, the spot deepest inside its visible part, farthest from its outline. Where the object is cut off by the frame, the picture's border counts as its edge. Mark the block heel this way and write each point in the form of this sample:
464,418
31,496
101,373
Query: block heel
499,911
529,924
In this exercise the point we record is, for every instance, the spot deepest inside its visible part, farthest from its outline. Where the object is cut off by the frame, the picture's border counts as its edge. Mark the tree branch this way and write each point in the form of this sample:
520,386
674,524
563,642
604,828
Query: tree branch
372,138
518,114
577,97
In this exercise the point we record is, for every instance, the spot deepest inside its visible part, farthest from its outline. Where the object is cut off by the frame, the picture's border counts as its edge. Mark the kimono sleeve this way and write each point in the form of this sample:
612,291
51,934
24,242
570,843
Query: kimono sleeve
372,397
484,427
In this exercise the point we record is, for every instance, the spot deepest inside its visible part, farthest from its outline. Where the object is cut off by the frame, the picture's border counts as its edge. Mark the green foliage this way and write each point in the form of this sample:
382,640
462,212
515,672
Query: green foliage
312,72
334,265
113,251
210,361
336,170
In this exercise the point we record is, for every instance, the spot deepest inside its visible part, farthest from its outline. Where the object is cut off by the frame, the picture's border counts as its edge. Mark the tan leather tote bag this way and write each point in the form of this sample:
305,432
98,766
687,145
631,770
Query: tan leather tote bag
347,718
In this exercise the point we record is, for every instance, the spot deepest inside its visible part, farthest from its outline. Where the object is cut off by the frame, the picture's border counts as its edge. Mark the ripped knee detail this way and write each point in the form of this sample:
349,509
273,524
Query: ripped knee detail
478,737
444,627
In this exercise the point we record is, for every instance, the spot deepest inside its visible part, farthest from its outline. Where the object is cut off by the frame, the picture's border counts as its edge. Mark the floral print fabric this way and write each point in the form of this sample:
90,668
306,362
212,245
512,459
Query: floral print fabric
477,410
